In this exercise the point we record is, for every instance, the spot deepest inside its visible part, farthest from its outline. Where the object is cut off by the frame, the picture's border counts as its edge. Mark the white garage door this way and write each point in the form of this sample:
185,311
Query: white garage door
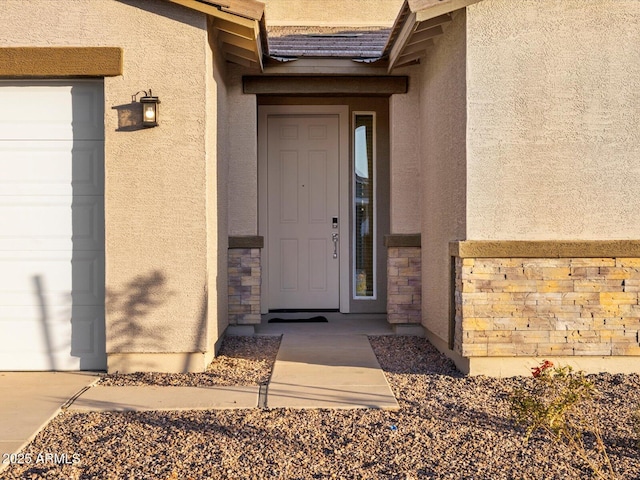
52,226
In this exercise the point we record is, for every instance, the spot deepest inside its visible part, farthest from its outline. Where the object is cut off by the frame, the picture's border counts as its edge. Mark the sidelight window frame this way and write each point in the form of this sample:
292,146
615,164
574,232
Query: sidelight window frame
356,272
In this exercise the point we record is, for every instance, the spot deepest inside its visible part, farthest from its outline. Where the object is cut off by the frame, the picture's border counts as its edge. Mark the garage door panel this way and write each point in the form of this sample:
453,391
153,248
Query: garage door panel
35,223
35,167
88,278
37,113
88,168
87,223
61,338
48,279
88,113
51,111
43,168
51,223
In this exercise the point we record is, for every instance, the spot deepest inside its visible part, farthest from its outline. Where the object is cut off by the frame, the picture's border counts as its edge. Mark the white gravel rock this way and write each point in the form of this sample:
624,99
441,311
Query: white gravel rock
449,427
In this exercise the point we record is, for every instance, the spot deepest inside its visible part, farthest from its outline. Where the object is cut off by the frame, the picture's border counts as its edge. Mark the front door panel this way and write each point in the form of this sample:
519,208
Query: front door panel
303,201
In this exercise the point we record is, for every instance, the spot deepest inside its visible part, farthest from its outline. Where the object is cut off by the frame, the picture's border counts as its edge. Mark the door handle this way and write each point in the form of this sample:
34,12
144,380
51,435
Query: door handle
334,237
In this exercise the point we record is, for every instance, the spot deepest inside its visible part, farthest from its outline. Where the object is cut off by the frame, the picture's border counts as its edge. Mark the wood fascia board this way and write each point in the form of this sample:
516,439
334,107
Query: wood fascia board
259,48
428,9
247,8
200,7
405,33
215,12
397,26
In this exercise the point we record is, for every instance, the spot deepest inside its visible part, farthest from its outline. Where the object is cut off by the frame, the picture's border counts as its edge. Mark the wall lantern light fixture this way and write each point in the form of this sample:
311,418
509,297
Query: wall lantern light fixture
149,108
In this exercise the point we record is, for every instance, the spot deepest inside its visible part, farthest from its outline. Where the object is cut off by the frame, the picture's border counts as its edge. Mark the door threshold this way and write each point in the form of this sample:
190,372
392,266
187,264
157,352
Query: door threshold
304,310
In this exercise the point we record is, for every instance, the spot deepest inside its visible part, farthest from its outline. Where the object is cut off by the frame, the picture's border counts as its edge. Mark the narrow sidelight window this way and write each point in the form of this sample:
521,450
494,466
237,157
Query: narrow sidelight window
364,281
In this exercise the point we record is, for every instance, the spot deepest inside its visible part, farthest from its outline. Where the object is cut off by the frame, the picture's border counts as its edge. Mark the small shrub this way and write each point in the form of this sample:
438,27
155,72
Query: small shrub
561,404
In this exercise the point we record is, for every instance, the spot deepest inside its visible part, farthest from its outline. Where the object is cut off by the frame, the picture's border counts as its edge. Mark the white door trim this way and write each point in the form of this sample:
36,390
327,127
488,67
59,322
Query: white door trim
344,179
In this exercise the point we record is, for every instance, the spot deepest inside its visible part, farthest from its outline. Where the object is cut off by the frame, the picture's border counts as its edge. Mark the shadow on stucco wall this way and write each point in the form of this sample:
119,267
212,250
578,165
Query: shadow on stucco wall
168,10
129,309
129,117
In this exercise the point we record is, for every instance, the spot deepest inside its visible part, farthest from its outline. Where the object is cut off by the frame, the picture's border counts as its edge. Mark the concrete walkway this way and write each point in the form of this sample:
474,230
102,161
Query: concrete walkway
138,399
328,365
311,371
328,371
29,400
324,365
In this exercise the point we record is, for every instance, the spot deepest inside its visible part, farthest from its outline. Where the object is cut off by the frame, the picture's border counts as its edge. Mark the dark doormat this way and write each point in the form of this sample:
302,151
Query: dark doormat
318,319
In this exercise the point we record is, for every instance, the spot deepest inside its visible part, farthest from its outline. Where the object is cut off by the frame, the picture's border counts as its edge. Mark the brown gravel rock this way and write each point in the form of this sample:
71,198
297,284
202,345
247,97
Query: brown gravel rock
449,427
242,361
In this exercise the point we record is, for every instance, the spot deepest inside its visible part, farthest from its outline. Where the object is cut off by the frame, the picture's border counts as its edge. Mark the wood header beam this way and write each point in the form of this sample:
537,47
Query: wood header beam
325,86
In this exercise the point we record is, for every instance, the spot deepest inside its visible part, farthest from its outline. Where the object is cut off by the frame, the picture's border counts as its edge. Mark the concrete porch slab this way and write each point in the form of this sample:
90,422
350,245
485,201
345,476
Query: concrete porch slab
143,398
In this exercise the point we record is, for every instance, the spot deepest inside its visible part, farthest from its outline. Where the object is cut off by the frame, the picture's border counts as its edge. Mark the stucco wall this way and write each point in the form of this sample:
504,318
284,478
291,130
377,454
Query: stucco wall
218,135
443,132
243,157
332,12
155,194
406,199
553,115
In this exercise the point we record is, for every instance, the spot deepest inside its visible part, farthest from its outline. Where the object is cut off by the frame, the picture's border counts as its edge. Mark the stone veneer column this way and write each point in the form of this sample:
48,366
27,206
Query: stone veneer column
404,279
245,279
547,299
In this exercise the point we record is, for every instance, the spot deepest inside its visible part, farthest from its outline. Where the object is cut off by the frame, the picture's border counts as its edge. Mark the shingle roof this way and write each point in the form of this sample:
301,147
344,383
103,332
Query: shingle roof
345,42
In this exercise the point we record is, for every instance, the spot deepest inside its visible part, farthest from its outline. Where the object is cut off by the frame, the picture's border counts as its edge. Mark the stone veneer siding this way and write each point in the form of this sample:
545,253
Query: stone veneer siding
547,306
404,279
245,278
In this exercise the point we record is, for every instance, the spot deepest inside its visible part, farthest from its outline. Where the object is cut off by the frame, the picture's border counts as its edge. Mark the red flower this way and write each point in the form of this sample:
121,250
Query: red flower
537,371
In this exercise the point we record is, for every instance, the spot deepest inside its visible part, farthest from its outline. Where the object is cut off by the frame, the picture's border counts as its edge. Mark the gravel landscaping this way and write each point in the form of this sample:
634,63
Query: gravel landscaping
449,427
241,361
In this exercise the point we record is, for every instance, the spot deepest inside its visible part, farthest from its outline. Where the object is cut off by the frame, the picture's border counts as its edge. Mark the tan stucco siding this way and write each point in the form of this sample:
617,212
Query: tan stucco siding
443,154
332,12
404,132
156,179
553,115
243,157
217,140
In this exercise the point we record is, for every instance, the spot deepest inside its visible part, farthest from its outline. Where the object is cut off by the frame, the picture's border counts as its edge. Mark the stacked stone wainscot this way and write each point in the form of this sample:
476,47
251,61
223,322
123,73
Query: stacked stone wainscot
560,305
404,279
245,279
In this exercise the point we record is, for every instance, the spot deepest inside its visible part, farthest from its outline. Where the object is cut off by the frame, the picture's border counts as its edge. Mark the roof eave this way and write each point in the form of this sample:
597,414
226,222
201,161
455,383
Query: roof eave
428,9
241,28
418,22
